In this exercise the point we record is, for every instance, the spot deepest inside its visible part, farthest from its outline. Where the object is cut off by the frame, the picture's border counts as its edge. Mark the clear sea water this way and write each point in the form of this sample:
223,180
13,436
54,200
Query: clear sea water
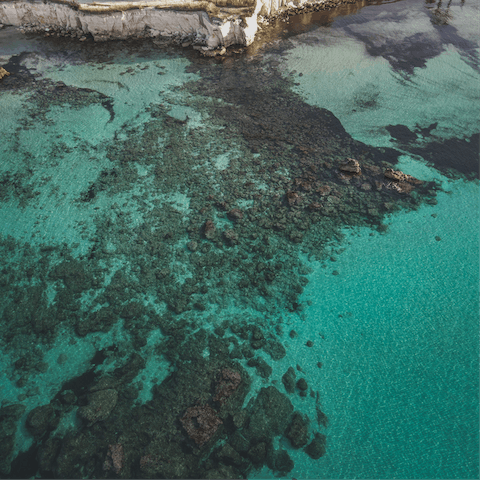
112,158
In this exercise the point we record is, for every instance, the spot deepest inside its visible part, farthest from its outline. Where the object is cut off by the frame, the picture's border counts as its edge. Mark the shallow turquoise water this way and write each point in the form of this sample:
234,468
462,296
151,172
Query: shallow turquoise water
110,176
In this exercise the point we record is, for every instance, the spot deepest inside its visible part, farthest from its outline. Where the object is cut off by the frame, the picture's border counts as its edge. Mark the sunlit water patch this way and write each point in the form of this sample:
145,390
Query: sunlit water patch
400,395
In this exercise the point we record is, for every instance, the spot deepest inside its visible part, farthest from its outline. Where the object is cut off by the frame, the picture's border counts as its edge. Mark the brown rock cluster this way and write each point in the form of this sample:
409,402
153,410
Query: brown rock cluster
200,422
115,458
351,166
3,73
401,182
228,384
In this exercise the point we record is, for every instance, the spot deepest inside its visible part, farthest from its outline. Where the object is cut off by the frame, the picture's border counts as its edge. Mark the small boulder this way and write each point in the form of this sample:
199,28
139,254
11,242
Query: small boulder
302,384
3,73
317,447
350,166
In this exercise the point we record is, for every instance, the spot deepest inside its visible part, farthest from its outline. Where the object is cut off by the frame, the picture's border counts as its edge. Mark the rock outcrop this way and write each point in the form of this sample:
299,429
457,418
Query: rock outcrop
350,166
401,182
3,73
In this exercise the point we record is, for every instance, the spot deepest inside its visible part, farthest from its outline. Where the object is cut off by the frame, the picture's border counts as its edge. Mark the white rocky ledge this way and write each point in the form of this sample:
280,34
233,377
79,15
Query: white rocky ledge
208,24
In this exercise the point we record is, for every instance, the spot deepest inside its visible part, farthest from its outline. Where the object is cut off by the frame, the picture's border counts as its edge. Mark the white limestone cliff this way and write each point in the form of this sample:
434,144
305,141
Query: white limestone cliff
208,24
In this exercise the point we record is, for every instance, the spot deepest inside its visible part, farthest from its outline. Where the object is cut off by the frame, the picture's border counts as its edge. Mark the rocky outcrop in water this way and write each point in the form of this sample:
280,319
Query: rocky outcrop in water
3,73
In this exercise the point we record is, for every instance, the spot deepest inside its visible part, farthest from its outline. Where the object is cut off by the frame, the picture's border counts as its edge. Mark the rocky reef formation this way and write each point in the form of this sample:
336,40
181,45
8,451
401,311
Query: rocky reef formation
293,180
206,25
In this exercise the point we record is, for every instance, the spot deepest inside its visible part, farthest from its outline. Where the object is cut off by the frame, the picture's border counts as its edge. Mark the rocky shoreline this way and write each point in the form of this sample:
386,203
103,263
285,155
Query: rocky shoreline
209,27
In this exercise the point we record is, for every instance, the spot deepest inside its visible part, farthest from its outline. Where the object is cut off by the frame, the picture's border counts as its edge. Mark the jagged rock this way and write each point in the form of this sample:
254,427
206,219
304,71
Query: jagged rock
350,166
297,431
213,53
401,182
3,73
399,176
324,190
317,447
115,458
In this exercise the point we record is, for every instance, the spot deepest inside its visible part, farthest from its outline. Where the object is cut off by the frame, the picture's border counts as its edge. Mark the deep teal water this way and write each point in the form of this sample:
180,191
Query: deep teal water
113,156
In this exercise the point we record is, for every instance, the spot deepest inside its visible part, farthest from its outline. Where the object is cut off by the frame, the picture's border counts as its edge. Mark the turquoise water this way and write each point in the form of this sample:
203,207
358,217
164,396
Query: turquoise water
176,234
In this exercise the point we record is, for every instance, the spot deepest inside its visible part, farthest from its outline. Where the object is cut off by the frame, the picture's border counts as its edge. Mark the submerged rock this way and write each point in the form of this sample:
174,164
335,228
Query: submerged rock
317,447
288,380
270,415
200,422
297,431
42,419
100,405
